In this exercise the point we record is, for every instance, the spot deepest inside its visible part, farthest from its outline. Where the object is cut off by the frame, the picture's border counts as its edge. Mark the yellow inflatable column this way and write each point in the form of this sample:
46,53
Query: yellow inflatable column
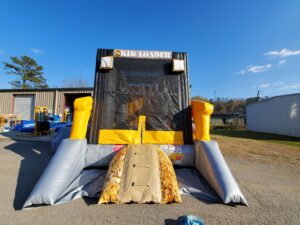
201,112
82,113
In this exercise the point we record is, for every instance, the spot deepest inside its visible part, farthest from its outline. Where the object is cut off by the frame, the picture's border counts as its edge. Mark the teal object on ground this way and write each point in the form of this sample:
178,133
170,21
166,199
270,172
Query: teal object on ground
190,220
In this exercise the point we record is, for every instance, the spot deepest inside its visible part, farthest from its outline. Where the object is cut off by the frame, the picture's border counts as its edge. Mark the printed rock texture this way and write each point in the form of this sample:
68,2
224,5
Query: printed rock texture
168,181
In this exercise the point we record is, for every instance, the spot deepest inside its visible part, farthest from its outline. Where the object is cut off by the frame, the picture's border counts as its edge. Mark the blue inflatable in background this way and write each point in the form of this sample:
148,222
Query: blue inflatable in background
25,126
28,126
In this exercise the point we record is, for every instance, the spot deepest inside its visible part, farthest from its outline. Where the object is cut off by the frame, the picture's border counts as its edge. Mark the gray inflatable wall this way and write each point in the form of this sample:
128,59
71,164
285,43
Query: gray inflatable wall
101,155
66,164
210,162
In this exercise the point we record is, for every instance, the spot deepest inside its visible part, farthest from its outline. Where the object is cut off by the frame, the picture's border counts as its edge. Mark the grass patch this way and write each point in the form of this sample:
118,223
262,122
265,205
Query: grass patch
286,140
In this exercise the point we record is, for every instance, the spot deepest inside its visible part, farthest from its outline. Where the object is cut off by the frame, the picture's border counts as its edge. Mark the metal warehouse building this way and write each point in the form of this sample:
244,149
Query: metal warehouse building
276,115
22,101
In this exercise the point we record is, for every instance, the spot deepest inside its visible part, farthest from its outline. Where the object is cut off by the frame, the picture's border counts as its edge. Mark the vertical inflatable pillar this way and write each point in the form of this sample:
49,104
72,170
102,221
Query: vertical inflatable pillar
82,112
201,112
142,125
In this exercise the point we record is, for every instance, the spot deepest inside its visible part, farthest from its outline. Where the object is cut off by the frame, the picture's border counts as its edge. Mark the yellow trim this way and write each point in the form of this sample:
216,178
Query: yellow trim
163,137
201,112
82,113
119,137
140,136
122,136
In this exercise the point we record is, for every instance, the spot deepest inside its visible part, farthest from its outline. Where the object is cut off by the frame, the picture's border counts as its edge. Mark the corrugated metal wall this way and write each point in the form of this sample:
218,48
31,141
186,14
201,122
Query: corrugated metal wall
53,99
45,99
278,115
6,103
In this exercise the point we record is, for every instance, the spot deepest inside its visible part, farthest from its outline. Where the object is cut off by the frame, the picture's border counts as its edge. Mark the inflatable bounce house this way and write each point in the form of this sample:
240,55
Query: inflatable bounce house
139,139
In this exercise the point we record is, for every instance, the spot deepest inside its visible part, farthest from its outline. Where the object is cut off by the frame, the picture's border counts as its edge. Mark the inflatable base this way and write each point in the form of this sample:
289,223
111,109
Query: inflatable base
78,169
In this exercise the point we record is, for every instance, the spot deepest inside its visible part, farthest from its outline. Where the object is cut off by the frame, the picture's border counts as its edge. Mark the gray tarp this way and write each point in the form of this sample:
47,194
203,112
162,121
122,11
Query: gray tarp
90,182
192,183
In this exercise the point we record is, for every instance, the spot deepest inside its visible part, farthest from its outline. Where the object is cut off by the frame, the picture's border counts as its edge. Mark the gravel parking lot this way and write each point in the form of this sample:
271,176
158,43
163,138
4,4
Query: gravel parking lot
268,175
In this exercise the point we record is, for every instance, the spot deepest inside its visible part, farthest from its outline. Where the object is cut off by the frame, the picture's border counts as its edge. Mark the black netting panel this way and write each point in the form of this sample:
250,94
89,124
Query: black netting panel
141,87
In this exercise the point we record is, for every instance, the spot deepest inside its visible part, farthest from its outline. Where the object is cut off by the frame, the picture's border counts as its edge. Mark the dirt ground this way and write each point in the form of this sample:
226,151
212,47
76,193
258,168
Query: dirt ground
268,175
259,151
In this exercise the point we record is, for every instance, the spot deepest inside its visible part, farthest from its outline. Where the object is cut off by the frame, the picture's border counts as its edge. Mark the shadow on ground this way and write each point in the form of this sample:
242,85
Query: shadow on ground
36,156
171,222
26,136
91,201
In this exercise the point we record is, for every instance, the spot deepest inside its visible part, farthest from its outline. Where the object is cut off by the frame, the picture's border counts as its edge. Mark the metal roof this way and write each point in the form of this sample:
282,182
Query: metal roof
47,89
271,98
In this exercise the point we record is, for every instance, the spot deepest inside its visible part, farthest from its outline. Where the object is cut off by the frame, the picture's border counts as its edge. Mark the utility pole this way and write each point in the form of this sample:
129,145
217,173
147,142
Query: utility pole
257,96
214,95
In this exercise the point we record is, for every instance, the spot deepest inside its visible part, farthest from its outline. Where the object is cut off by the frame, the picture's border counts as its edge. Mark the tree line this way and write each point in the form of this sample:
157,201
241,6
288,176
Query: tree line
229,106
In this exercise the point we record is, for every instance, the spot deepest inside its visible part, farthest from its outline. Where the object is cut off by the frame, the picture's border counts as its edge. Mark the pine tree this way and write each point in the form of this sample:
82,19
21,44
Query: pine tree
30,74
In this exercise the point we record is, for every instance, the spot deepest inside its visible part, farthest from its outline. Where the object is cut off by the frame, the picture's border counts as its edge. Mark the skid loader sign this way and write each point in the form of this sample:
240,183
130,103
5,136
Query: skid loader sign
142,54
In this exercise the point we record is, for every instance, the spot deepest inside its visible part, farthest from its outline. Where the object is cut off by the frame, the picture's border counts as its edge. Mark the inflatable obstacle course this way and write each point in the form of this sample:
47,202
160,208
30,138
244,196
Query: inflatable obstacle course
140,126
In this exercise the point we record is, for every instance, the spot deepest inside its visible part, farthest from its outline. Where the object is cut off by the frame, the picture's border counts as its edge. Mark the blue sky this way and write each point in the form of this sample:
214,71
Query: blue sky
235,47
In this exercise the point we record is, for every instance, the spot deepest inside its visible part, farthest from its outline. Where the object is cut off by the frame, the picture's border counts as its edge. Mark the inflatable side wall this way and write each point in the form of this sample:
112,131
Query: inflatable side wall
210,162
64,167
